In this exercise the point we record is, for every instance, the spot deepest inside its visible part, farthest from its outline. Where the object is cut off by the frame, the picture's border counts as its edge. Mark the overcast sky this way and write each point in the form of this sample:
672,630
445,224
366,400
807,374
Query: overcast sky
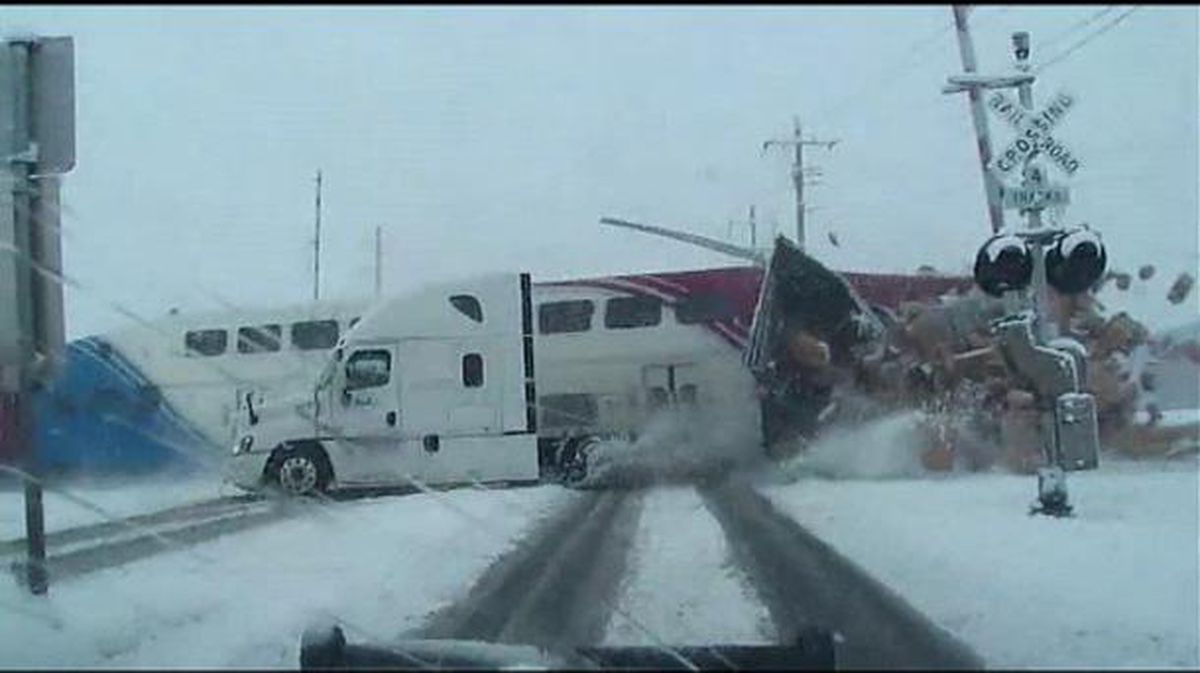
495,138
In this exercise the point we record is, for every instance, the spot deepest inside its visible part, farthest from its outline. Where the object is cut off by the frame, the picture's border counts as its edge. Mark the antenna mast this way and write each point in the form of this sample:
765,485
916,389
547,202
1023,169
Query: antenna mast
317,243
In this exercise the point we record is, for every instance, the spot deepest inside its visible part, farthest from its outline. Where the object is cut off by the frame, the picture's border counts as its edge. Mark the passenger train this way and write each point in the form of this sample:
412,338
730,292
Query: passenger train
610,352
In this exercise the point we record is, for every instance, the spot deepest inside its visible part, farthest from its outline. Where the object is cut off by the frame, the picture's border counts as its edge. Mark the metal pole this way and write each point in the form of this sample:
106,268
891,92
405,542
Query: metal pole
24,240
317,243
36,577
1053,496
798,181
753,229
1045,324
378,260
991,186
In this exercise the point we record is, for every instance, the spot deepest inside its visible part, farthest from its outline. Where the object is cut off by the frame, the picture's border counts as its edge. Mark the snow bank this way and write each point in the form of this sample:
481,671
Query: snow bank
1116,586
119,497
378,566
683,587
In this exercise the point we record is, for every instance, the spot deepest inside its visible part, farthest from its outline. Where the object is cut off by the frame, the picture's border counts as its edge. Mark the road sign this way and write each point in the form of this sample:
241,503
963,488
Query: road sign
1033,132
43,69
53,123
1034,197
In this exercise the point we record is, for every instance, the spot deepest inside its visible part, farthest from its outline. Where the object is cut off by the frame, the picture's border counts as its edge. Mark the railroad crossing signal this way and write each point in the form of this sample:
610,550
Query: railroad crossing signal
1033,132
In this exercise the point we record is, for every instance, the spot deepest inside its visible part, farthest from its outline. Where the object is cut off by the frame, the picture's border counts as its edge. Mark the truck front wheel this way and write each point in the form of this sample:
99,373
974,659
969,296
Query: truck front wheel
573,460
300,469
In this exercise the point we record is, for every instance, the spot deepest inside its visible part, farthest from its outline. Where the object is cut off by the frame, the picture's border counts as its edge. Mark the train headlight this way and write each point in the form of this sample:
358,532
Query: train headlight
244,444
1003,264
1075,261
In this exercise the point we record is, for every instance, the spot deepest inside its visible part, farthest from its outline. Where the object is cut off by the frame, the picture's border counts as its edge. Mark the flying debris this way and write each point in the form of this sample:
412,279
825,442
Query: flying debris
1181,288
1123,280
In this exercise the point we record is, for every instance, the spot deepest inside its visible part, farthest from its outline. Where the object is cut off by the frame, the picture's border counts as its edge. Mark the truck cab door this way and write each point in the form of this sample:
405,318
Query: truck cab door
367,423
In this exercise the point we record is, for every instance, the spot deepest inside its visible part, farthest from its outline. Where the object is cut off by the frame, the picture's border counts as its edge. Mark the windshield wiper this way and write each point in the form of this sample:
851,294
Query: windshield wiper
326,648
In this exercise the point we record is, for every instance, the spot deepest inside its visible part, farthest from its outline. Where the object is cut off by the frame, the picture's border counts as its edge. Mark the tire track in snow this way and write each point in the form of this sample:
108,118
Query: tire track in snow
107,529
805,583
90,547
683,585
556,589
157,540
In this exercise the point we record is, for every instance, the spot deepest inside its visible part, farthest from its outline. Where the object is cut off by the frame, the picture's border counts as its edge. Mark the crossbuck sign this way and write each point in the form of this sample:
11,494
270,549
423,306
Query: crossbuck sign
1033,132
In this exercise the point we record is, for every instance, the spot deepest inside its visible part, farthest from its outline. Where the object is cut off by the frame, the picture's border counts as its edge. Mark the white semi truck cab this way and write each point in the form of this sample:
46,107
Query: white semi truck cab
432,387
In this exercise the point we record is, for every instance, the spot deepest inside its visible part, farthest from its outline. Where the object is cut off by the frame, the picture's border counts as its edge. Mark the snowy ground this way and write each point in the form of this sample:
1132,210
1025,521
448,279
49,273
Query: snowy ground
1116,586
684,588
120,498
243,600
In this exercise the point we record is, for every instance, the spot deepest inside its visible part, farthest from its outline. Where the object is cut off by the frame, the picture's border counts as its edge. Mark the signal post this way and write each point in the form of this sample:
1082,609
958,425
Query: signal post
1019,264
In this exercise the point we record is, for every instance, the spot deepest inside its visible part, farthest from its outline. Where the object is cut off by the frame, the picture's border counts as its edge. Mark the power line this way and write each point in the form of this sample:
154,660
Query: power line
1090,19
890,74
1078,45
904,62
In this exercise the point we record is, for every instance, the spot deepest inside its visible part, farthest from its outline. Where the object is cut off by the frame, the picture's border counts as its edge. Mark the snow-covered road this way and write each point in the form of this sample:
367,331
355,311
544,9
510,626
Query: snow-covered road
684,586
116,497
1115,586
242,600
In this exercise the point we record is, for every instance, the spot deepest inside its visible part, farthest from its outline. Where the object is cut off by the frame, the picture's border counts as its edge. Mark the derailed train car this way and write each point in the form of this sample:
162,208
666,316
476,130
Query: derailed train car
817,331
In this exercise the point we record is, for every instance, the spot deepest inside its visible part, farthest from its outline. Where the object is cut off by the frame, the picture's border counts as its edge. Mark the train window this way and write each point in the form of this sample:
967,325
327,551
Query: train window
206,342
472,370
704,307
657,399
687,394
314,334
468,306
368,369
567,410
627,312
565,316
260,339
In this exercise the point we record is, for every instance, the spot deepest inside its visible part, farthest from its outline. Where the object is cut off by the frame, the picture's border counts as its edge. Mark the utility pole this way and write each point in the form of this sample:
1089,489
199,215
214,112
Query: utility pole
317,243
378,260
753,229
798,142
37,144
991,186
